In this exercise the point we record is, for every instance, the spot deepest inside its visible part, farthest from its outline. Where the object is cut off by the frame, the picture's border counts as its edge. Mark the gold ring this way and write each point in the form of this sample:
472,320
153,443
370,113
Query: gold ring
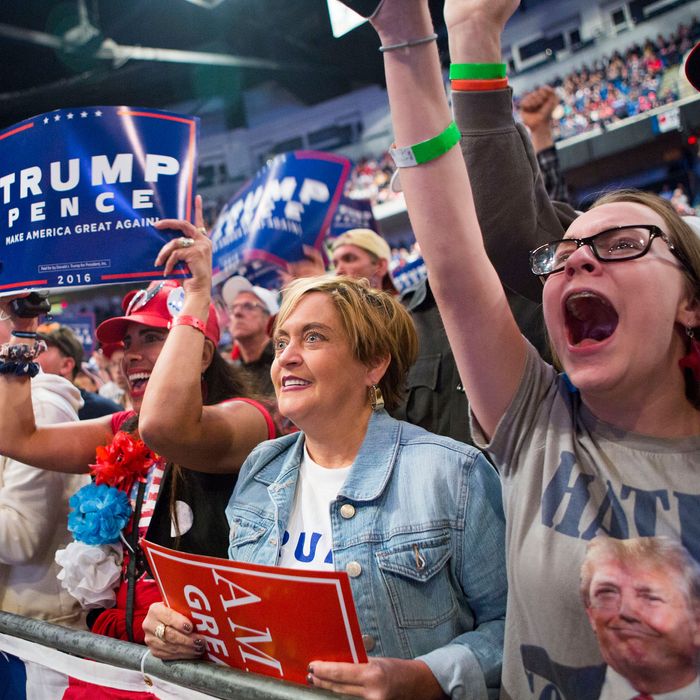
159,631
202,230
184,242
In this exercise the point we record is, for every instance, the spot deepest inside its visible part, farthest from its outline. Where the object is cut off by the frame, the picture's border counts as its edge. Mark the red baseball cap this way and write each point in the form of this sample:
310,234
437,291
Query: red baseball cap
155,306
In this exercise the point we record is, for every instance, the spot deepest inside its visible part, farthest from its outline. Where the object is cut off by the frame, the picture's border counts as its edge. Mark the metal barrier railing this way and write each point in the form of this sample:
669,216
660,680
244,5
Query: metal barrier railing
212,679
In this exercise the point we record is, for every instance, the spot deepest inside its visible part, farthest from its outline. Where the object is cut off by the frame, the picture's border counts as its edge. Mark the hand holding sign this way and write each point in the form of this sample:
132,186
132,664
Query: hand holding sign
263,619
379,678
8,311
193,248
170,635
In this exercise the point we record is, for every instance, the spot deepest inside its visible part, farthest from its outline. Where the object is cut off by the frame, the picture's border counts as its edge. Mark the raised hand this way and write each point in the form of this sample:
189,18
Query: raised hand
490,13
537,106
474,28
193,248
536,113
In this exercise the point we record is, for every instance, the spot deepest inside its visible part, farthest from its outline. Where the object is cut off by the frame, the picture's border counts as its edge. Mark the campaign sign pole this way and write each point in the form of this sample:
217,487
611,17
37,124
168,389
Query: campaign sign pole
288,204
80,190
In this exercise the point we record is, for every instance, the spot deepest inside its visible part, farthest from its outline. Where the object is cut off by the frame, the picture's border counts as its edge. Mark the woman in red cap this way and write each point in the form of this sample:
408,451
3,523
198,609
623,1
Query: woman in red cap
173,491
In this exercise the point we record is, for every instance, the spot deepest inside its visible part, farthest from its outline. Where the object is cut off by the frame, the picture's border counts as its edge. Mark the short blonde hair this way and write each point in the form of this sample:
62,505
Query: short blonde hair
375,323
662,553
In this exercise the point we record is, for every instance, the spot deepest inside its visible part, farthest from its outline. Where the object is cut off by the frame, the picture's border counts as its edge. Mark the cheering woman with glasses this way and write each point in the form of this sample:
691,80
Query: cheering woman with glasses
611,446
173,490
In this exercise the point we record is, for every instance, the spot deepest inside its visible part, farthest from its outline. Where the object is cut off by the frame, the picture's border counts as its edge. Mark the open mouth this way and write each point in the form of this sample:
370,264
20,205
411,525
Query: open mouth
138,381
589,318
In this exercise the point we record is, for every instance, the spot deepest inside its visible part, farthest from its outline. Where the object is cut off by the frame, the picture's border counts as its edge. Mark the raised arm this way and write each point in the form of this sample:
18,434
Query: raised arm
488,347
63,447
173,419
499,154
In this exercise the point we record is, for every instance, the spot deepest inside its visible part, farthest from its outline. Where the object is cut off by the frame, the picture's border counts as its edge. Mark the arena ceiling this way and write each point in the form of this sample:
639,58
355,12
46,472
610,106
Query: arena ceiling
52,57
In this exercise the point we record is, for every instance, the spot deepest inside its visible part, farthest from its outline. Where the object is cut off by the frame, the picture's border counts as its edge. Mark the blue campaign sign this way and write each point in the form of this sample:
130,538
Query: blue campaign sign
83,325
409,275
80,190
289,203
352,213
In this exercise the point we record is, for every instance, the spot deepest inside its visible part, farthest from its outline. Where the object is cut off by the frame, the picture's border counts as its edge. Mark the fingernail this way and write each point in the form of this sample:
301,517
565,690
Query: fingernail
199,643
310,679
187,628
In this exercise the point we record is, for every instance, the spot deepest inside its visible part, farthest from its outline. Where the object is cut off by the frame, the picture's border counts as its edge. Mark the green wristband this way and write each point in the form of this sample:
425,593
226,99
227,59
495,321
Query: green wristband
477,71
425,151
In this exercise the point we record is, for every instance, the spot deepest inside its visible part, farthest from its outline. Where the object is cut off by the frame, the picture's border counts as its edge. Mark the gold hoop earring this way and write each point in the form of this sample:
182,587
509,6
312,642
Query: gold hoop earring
376,399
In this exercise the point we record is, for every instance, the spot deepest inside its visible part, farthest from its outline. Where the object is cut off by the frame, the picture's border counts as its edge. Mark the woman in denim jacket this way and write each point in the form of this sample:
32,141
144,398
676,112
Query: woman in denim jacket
415,519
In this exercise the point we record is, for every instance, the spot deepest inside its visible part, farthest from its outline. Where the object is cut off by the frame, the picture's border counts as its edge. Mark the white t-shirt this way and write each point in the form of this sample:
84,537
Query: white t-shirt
307,542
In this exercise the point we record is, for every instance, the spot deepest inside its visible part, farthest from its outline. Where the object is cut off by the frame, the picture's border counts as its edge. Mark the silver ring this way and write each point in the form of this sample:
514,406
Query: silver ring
184,242
202,230
159,631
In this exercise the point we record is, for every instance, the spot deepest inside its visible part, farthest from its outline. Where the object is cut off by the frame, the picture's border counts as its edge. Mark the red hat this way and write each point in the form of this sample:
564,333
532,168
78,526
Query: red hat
155,306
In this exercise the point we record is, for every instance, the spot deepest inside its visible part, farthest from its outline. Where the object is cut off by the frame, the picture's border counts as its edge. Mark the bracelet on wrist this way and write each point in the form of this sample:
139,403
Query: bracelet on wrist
191,321
18,359
425,151
410,42
31,335
477,71
479,85
21,352
20,369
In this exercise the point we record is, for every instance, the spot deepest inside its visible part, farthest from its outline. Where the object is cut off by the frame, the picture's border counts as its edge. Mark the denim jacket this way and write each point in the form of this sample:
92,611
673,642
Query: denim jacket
423,543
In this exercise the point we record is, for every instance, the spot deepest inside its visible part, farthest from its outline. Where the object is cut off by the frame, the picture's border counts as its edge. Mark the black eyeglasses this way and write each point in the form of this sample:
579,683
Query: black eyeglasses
611,245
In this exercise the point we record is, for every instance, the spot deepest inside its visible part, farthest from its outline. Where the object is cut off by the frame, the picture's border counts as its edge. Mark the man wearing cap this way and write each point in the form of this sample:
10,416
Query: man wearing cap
64,356
250,310
361,252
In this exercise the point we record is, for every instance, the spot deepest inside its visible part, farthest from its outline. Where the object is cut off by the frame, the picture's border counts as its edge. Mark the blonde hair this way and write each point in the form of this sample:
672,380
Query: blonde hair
662,553
375,323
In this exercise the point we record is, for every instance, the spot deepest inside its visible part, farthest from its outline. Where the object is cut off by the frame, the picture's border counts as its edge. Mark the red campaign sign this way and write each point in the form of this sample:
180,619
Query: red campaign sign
264,619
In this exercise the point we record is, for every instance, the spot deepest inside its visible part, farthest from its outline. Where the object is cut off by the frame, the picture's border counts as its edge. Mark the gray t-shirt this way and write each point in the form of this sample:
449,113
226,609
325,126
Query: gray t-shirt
568,477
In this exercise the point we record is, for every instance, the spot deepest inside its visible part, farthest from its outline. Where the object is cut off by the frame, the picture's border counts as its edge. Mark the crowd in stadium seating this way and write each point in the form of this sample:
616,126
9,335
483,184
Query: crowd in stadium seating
417,520
371,179
624,84
612,88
